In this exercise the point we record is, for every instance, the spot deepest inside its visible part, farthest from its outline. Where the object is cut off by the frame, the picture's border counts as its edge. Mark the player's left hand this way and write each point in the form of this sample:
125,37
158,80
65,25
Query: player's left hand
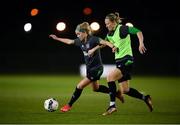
142,48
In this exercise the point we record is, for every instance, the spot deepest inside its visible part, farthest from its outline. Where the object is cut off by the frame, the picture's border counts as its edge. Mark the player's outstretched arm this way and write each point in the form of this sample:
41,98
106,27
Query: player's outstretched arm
142,48
134,30
106,43
64,40
91,51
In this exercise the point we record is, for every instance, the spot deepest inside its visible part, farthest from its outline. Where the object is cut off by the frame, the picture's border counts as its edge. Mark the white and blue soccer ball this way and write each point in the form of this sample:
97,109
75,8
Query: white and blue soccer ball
51,104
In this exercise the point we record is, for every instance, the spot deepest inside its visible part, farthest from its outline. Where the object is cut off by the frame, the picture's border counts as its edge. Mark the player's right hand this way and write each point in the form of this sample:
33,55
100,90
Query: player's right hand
53,36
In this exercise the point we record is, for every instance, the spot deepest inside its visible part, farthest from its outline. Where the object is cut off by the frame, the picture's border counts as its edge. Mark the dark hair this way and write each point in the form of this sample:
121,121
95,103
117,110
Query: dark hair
114,17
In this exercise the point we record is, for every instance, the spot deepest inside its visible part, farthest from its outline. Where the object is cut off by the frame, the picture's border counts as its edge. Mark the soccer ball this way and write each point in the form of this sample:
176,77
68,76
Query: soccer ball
51,104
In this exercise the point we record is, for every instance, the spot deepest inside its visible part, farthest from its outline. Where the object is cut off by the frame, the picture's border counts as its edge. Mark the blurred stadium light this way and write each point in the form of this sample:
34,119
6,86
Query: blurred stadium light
87,11
129,24
61,26
95,26
34,12
27,27
107,69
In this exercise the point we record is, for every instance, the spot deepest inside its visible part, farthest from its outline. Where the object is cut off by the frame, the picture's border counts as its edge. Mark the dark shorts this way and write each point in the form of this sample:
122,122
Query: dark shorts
125,64
94,73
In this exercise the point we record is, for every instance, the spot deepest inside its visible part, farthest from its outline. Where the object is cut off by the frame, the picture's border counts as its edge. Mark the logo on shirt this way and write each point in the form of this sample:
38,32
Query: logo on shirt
119,66
87,45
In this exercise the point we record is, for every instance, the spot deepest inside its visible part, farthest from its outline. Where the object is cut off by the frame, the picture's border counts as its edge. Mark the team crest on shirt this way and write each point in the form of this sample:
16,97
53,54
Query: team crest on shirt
87,45
119,66
92,78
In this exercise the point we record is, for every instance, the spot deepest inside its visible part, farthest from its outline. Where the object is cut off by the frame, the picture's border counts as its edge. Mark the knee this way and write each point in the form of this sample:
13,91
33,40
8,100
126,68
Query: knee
110,77
114,75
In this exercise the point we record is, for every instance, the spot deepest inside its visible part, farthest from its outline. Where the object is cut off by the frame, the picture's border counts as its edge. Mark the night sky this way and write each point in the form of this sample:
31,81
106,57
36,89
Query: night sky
35,52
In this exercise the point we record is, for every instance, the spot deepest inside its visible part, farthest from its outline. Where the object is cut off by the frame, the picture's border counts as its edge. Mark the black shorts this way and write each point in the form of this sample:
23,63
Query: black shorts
125,64
94,73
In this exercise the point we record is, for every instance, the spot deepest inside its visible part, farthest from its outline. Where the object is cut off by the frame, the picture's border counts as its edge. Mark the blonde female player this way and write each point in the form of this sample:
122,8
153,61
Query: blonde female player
94,67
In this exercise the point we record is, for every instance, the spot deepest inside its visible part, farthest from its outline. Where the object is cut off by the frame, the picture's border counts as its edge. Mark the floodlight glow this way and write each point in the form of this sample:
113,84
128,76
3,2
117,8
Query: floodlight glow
27,27
129,24
87,11
34,12
95,26
61,26
107,69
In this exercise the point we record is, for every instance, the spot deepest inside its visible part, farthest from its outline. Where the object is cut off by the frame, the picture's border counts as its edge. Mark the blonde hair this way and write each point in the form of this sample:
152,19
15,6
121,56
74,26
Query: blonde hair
84,27
114,17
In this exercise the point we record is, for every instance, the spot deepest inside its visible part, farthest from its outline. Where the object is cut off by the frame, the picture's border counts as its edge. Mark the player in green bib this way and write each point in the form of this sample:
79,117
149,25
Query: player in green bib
119,36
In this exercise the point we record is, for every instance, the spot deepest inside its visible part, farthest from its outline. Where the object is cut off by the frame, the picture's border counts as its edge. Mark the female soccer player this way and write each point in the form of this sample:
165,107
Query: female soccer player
88,44
119,36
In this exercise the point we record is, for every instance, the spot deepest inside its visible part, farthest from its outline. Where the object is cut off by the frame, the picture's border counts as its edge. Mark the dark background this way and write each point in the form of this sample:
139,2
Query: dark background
34,52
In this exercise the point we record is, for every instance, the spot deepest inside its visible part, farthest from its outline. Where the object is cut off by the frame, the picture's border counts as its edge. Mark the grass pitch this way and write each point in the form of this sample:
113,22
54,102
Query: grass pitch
22,98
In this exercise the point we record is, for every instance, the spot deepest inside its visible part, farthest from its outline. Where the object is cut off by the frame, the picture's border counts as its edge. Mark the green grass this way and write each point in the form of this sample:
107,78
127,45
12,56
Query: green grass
22,98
